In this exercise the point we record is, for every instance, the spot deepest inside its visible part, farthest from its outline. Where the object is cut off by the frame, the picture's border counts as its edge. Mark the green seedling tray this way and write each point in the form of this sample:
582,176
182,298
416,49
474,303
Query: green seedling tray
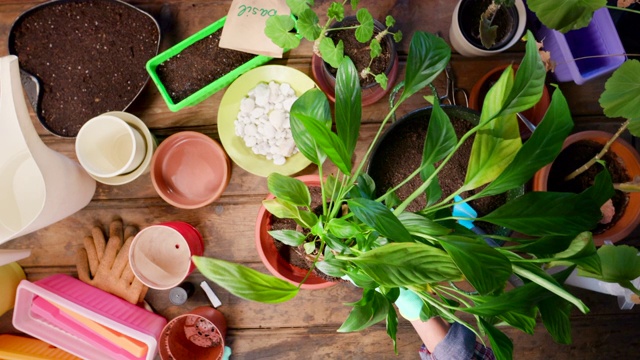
208,90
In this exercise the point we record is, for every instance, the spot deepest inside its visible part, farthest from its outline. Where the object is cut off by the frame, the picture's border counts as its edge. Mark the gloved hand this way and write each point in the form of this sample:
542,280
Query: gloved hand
409,304
105,264
227,353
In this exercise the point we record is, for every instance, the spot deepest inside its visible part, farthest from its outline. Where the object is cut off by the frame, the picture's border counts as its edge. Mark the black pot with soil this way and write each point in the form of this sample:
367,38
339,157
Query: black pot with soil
359,53
398,153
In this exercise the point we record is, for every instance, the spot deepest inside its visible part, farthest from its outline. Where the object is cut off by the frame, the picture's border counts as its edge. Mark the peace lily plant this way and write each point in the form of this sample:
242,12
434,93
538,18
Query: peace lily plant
382,248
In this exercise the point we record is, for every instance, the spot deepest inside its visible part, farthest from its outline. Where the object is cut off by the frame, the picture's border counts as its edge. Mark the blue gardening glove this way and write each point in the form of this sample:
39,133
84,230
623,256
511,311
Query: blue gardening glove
227,353
409,304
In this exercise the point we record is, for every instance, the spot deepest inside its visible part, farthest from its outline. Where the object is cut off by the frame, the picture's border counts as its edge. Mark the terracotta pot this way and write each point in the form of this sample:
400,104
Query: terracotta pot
180,339
270,257
631,161
482,86
370,93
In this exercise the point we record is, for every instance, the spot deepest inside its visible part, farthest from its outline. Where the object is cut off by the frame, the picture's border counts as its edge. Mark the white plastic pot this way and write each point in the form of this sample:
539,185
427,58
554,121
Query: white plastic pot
466,48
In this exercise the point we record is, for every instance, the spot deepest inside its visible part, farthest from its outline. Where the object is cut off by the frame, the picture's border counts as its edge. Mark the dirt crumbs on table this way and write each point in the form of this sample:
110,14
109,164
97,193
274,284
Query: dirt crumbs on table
89,55
197,66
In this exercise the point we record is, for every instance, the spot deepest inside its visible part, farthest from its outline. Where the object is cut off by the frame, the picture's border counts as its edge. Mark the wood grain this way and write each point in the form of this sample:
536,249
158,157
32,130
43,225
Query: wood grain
305,326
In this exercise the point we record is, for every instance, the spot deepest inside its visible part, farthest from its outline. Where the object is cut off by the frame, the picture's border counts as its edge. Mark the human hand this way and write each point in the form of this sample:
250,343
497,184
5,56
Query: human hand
105,264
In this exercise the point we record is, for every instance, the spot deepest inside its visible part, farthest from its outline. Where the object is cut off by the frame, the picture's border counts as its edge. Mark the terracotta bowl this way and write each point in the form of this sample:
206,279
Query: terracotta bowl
270,257
190,170
482,86
630,159
181,339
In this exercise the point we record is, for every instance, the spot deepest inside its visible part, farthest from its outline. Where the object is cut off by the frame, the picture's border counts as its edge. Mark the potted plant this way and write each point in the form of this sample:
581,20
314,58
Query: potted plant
486,27
383,248
369,43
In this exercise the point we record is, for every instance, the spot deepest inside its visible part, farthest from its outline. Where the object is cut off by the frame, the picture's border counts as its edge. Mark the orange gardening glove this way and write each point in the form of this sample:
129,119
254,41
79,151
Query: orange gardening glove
105,264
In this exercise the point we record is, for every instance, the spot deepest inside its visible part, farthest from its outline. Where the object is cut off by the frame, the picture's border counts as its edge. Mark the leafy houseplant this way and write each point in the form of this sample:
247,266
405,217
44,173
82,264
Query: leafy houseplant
279,30
382,248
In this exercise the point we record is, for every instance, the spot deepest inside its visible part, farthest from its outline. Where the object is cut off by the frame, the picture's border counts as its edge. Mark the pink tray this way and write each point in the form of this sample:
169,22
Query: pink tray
90,302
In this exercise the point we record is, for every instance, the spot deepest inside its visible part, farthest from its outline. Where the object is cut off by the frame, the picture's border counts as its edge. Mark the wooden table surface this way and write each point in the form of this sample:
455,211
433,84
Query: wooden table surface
305,326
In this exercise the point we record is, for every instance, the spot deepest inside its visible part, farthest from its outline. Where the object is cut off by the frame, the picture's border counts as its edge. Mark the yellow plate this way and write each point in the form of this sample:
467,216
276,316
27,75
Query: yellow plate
228,112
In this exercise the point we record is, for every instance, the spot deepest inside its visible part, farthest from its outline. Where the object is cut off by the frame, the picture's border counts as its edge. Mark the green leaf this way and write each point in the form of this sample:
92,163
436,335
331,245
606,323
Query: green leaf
389,21
309,247
497,141
298,6
342,228
361,280
392,327
540,277
407,264
483,266
441,137
380,218
433,191
488,32
331,53
366,186
621,94
397,36
331,267
565,15
581,252
281,209
354,4
336,11
619,264
308,25
539,150
364,32
421,226
526,323
278,27
348,105
501,345
390,199
555,314
634,126
375,48
371,309
289,189
328,141
428,56
288,237
244,282
550,213
382,80
313,104
527,88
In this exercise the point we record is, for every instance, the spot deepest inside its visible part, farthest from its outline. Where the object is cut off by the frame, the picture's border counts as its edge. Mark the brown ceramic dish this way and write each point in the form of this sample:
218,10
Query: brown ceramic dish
82,58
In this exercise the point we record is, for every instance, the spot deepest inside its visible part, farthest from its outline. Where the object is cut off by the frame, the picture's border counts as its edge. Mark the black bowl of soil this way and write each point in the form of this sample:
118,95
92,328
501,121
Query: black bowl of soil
622,162
399,152
81,59
359,53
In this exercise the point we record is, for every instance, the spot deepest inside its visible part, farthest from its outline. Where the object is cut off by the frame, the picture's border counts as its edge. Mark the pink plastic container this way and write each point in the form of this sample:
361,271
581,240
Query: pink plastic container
34,315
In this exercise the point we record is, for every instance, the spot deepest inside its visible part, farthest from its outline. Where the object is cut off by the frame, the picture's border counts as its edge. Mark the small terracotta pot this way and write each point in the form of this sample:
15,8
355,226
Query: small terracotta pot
182,339
631,161
371,93
482,86
270,257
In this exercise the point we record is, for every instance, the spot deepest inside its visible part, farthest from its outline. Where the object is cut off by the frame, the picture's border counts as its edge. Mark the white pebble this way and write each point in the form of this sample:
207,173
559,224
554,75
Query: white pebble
263,121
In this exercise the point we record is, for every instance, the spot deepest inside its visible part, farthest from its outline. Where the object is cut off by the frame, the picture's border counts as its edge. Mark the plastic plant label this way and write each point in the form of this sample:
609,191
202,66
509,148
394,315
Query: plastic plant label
244,29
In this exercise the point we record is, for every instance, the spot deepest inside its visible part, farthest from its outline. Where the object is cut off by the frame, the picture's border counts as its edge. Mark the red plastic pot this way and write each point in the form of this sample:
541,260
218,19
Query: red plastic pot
482,86
270,257
631,161
371,93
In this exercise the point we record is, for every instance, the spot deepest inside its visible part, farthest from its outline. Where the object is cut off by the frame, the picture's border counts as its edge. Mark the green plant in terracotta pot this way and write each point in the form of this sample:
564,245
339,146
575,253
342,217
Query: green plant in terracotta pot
385,250
369,43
